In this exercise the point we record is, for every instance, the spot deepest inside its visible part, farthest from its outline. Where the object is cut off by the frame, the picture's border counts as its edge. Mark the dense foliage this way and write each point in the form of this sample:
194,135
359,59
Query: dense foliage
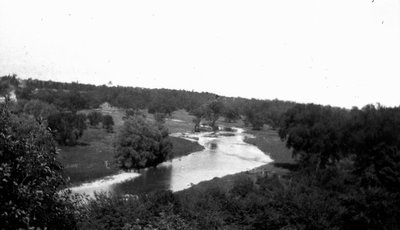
316,133
108,123
361,144
39,109
140,144
30,177
231,113
157,210
95,118
210,111
67,127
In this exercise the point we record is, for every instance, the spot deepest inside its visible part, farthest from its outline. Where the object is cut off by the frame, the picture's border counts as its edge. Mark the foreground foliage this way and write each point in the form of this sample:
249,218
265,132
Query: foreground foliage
30,177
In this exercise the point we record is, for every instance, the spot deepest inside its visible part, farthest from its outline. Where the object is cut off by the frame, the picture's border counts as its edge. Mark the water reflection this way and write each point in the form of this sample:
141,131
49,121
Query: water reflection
149,180
105,184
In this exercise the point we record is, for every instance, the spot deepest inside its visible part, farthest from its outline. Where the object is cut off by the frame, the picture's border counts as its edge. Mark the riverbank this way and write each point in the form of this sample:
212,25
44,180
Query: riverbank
223,155
268,141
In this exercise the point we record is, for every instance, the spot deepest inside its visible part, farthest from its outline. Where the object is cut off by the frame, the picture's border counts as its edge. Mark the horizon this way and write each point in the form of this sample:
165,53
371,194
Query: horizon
337,53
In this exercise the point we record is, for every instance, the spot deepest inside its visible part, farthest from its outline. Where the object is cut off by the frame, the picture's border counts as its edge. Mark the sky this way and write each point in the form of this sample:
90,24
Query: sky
337,52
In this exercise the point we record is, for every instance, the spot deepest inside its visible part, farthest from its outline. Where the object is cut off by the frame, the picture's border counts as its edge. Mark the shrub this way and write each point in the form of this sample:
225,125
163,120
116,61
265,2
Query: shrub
140,144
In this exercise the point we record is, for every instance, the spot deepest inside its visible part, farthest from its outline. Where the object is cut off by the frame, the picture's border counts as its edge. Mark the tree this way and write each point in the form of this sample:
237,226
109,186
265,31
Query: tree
198,114
162,104
39,109
74,100
213,111
108,123
254,118
95,118
67,127
140,144
231,114
315,133
132,112
80,123
30,177
160,117
374,138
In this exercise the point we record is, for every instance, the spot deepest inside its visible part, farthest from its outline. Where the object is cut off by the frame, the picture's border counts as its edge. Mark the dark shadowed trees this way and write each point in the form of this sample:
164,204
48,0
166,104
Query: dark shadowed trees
95,118
315,133
374,139
231,114
254,118
132,112
140,144
67,127
108,123
160,117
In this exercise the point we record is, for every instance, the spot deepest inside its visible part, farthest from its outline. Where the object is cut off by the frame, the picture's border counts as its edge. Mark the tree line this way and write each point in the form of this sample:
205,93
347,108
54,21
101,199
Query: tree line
76,96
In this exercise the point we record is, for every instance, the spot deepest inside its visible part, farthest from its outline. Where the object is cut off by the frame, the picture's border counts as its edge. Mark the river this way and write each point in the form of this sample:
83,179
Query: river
225,153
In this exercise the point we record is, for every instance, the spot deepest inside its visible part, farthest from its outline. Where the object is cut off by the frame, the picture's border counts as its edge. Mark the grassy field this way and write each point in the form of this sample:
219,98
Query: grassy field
89,161
270,143
183,147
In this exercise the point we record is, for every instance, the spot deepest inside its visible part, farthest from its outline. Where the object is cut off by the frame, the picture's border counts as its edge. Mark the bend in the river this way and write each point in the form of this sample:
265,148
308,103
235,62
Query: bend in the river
225,153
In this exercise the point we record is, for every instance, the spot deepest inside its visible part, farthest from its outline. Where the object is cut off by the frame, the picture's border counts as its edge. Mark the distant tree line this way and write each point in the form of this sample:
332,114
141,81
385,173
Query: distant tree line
76,96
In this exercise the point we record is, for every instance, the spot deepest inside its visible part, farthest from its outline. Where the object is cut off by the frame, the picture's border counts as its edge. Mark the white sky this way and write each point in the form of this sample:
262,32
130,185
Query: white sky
338,52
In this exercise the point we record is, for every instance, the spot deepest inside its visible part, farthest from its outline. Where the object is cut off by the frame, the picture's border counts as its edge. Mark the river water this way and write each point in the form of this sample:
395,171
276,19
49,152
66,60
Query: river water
225,153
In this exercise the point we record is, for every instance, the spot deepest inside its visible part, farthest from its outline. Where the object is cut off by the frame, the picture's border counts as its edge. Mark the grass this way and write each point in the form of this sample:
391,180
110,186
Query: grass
268,141
182,147
88,162
186,124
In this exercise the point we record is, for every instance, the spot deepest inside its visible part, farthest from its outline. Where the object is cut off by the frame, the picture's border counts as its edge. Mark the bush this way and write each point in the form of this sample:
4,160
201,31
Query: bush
160,117
156,210
94,118
140,144
67,128
108,123
39,109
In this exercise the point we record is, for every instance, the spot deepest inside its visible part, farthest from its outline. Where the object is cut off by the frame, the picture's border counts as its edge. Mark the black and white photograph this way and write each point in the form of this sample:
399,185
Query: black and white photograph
192,115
